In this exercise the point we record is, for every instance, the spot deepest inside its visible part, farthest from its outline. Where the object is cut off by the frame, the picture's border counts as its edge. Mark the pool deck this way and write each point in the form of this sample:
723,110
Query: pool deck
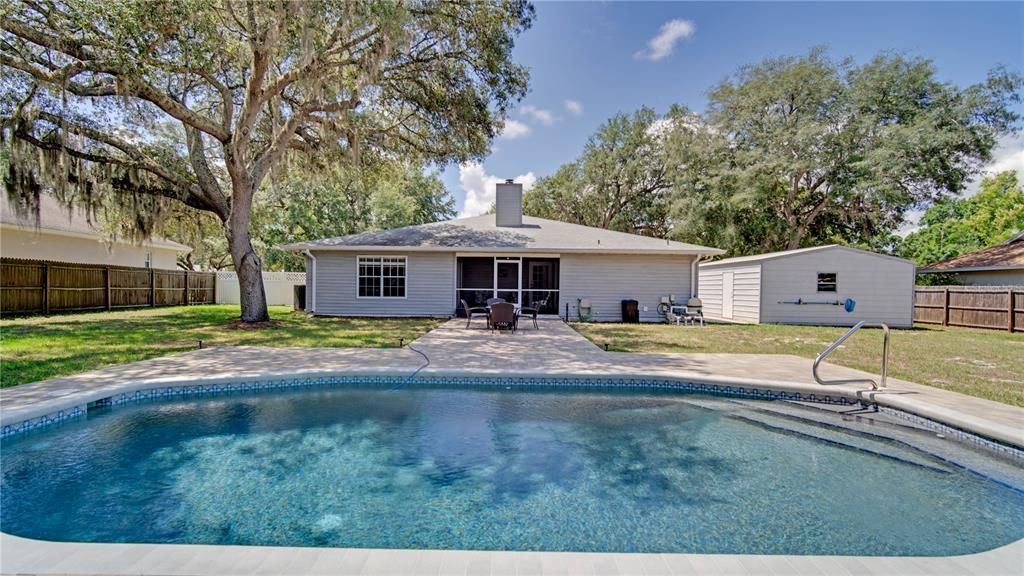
555,349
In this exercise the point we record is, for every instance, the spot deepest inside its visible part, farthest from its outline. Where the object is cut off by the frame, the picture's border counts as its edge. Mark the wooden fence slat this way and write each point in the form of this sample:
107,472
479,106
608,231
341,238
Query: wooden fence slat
33,286
997,308
1011,312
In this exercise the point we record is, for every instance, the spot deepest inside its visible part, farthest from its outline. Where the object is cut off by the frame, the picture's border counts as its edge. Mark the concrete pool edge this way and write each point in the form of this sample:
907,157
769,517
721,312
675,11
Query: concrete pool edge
980,431
23,555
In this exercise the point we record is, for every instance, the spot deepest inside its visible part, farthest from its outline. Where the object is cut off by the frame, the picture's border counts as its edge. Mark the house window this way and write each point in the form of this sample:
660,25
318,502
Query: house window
827,282
381,277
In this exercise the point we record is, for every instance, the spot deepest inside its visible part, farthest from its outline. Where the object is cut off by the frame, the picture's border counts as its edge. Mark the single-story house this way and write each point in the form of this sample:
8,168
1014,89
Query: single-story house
809,286
426,270
1000,265
68,236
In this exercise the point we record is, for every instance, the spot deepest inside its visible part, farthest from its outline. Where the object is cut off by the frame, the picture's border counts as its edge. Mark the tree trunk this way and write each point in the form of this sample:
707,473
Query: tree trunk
796,236
247,266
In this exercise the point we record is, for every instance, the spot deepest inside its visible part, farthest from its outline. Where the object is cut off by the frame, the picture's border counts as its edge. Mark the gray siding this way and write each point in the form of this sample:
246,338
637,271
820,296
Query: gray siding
430,286
607,279
746,294
882,287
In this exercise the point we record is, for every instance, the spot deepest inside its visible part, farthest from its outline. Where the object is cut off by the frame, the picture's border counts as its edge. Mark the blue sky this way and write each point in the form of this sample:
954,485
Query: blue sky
597,55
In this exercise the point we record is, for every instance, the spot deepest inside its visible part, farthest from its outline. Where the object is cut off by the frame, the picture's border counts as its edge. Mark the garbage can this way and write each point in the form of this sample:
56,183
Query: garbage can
299,296
630,311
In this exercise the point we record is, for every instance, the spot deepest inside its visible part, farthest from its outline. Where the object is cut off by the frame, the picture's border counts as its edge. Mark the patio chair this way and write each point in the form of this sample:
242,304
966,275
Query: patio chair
533,311
477,311
503,316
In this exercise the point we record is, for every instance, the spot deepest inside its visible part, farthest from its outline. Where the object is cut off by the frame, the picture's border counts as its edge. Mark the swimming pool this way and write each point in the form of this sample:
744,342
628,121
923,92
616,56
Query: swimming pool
491,469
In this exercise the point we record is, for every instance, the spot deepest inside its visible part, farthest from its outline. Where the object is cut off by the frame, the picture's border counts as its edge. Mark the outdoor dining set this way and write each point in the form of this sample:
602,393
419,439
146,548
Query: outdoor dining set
502,315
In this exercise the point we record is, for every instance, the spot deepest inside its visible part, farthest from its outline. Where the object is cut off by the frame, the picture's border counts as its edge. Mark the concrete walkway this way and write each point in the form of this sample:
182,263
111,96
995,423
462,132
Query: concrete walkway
553,349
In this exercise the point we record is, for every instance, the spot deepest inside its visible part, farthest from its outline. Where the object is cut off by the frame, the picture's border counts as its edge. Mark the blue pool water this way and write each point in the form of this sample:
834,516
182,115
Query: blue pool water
488,469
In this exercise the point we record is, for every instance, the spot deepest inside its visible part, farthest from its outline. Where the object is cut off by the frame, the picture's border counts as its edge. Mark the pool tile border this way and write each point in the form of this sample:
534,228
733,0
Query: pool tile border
665,383
947,430
579,382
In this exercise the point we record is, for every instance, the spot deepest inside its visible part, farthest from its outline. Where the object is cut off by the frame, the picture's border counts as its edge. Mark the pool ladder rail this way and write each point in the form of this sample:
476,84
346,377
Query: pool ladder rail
831,348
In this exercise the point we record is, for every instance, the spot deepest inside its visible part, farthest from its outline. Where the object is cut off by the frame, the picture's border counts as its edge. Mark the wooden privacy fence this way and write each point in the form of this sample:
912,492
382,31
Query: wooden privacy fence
30,286
972,306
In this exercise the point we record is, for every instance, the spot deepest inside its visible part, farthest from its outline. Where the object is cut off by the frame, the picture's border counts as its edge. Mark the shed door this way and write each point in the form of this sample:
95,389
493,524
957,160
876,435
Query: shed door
727,295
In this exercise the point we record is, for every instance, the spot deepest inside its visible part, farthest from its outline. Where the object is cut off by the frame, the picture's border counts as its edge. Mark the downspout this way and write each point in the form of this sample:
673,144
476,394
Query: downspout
312,289
693,276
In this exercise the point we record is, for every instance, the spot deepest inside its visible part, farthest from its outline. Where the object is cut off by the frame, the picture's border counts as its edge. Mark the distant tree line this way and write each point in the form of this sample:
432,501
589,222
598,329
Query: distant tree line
791,152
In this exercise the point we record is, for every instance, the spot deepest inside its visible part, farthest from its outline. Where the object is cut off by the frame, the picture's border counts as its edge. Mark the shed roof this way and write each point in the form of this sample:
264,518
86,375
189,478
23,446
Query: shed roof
55,217
480,234
757,258
1009,254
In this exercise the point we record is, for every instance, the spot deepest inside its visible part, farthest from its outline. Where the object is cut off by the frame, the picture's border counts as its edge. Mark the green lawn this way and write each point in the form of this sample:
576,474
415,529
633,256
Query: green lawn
984,363
36,348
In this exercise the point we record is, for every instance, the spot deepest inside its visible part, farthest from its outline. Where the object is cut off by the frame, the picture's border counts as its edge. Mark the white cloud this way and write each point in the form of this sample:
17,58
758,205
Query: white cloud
574,107
480,187
541,115
1008,155
514,129
665,41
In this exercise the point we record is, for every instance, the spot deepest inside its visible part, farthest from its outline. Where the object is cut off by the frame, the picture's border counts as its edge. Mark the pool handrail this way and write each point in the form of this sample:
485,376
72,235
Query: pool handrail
831,348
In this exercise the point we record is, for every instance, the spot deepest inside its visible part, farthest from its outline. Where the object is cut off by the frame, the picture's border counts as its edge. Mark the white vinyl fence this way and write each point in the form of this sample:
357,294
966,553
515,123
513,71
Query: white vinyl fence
278,285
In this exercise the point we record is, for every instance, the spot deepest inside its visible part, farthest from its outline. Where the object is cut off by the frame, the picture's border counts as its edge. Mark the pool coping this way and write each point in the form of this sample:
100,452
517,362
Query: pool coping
23,555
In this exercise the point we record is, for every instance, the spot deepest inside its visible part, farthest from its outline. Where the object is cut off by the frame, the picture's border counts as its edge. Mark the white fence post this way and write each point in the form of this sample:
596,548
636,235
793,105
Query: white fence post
278,286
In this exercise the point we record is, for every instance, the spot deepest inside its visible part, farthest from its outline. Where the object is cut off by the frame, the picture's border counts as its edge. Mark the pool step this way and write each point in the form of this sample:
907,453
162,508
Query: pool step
831,432
880,429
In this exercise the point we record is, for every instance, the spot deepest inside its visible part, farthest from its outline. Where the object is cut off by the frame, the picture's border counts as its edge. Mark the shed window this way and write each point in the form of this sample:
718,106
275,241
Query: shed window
381,276
827,282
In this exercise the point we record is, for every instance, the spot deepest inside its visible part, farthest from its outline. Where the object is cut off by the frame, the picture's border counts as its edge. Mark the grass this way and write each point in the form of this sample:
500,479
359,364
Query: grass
36,348
983,363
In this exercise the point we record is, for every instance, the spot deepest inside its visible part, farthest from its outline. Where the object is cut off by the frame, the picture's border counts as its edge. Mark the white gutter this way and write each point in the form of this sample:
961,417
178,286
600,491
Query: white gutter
312,289
693,276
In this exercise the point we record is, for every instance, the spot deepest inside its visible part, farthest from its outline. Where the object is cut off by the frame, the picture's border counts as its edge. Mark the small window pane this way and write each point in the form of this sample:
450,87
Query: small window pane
381,276
827,282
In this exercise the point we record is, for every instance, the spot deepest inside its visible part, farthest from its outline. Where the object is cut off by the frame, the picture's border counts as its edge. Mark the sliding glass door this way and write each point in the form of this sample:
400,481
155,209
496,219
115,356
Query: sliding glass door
540,284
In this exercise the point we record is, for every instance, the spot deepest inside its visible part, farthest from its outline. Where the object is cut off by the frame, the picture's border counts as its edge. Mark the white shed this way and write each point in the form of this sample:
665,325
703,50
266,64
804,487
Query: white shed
826,285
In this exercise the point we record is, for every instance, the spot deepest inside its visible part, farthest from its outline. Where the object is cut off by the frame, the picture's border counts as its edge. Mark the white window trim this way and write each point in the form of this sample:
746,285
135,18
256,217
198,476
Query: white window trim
405,260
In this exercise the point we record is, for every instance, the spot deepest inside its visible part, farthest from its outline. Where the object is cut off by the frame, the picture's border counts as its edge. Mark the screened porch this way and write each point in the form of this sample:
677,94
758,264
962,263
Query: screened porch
528,281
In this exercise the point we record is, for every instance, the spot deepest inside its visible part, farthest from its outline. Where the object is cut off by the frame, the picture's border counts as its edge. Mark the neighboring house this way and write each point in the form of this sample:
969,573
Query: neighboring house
809,286
426,270
68,236
1001,265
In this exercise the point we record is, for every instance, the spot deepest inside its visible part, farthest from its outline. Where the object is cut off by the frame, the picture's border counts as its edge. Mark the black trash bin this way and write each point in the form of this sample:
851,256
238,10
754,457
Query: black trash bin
299,299
630,311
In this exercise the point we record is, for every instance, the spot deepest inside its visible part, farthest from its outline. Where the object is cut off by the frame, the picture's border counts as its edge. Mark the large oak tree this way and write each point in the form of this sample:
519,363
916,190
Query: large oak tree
199,101
619,182
803,150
